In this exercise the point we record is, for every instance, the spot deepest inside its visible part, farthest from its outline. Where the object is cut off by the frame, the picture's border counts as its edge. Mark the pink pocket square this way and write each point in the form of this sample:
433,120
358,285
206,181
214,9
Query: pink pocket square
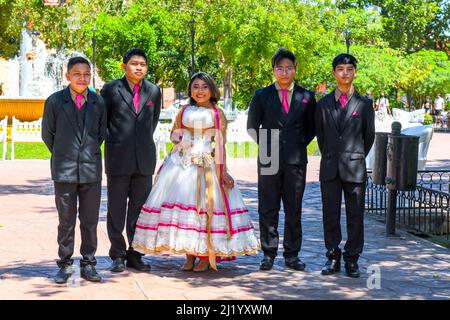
354,114
150,103
304,100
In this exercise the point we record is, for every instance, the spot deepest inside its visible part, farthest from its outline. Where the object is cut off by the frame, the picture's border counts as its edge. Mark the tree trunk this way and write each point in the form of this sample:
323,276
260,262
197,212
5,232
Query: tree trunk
408,99
227,90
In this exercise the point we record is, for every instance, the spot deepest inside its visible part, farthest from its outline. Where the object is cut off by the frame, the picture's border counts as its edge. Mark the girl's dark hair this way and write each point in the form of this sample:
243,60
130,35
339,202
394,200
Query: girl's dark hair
215,93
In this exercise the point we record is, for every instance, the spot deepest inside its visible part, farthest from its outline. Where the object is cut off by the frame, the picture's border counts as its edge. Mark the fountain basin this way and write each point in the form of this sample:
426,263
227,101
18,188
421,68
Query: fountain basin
24,109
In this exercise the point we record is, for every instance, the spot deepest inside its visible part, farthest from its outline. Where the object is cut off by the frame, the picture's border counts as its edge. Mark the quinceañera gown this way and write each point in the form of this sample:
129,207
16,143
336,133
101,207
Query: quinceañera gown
189,210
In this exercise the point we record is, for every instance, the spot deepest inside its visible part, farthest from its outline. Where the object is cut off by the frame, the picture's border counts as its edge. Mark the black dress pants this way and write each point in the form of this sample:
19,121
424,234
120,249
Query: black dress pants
134,189
354,194
88,196
287,185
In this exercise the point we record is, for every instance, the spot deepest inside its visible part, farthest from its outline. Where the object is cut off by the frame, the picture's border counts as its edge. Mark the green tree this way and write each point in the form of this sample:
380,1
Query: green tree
437,81
413,72
163,36
235,39
409,25
49,21
242,36
65,26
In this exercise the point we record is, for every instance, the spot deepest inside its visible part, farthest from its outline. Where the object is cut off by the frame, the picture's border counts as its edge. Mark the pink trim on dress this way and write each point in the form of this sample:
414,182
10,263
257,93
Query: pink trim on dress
184,207
190,228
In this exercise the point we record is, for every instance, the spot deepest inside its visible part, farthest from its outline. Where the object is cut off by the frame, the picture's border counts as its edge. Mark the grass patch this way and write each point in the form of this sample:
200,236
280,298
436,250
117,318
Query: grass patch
28,151
313,149
243,150
250,150
234,150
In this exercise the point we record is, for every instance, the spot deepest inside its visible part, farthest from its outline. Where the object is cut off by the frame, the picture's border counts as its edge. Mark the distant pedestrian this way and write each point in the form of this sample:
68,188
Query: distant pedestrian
438,108
427,105
382,104
370,97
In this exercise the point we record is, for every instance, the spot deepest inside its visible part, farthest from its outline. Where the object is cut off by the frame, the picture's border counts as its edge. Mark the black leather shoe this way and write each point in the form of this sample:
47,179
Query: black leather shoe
332,266
294,263
89,273
63,274
118,265
352,269
266,263
137,264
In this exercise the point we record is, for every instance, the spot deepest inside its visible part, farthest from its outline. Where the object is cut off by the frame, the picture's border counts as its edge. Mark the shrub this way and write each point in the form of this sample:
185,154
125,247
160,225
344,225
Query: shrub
428,119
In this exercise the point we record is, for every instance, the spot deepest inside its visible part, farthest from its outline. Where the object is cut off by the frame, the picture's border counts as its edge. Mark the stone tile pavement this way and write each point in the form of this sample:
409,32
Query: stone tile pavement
406,267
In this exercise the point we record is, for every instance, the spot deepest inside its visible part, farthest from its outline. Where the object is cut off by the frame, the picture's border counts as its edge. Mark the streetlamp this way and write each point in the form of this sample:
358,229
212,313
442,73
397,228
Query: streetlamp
94,43
347,39
192,22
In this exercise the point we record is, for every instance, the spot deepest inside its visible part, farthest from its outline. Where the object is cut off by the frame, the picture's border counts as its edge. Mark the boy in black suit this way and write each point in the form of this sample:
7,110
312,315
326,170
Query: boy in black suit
281,120
345,131
133,106
73,128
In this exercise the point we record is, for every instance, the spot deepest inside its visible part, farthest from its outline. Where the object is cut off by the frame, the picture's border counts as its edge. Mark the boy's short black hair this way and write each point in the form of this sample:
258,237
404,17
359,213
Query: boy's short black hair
134,52
283,53
344,58
76,60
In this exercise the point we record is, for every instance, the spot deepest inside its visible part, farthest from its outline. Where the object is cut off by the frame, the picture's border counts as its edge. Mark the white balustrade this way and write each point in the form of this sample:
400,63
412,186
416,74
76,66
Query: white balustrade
25,132
3,135
161,136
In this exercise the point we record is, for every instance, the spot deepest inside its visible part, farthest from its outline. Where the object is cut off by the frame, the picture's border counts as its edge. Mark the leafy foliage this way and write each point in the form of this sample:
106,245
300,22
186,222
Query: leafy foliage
395,41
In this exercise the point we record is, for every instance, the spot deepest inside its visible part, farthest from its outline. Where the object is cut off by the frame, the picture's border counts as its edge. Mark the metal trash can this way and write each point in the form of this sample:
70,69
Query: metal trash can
402,160
380,162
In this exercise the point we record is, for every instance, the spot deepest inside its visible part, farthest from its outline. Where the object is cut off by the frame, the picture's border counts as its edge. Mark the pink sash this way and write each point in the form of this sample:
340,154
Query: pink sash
221,166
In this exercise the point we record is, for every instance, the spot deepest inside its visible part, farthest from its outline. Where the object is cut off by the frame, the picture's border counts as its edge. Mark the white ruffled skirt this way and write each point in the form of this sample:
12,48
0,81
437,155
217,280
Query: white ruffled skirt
169,223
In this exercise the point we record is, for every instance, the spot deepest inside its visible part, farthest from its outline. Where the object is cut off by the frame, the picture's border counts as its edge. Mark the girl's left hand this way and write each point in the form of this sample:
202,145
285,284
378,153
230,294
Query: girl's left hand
228,181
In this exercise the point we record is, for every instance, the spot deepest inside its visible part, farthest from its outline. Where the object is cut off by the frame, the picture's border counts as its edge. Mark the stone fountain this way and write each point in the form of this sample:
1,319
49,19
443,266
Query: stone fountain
32,76
41,72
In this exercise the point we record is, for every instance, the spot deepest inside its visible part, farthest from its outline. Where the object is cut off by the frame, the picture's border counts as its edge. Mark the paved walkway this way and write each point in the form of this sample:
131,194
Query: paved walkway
406,267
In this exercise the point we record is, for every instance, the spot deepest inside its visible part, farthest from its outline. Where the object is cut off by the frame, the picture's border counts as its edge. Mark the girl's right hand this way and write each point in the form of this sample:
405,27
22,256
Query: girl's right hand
181,146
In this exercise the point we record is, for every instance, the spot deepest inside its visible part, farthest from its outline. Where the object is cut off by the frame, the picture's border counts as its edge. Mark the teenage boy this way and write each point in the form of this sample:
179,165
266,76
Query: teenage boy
345,133
281,119
133,106
73,128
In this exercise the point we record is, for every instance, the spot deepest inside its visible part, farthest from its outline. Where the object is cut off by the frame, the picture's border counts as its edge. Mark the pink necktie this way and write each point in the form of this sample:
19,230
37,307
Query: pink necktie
343,100
284,101
136,98
78,100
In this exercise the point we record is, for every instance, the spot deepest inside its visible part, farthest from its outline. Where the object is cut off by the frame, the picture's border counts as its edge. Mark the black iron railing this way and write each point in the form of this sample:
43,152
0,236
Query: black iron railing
425,210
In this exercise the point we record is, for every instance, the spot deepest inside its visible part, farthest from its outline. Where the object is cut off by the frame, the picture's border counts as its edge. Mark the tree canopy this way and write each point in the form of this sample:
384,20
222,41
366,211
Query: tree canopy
402,46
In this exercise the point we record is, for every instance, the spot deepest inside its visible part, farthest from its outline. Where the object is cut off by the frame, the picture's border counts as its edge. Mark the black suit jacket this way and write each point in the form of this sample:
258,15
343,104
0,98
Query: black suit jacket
296,129
129,145
76,156
344,151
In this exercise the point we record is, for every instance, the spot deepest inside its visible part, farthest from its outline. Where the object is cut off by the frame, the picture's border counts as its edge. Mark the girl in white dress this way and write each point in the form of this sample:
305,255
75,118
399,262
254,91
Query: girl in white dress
194,207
